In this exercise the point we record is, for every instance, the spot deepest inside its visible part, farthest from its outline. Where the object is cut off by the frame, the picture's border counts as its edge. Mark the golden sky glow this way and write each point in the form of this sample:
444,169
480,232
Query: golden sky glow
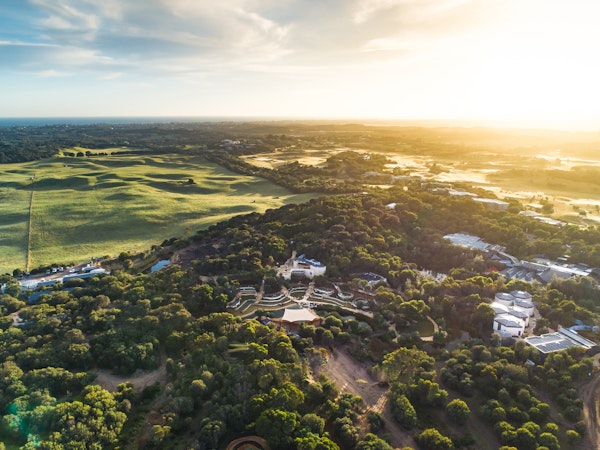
511,62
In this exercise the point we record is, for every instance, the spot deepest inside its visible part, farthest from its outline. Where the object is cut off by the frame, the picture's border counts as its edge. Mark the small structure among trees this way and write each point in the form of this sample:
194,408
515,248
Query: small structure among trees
293,318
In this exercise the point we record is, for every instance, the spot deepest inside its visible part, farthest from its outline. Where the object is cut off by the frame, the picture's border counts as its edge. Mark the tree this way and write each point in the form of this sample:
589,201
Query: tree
94,422
549,440
573,437
346,431
211,432
159,433
373,442
526,439
277,427
376,422
483,318
402,363
312,441
458,411
314,423
403,410
432,439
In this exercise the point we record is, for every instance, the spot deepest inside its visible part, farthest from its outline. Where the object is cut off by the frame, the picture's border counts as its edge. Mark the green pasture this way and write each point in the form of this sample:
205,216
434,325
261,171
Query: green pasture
103,205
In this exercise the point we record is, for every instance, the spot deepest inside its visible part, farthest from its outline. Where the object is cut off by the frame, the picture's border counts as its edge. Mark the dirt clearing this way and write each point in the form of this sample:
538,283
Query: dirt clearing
352,376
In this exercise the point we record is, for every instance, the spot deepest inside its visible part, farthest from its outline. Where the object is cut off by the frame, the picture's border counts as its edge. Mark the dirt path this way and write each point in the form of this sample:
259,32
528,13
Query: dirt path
590,394
351,376
139,379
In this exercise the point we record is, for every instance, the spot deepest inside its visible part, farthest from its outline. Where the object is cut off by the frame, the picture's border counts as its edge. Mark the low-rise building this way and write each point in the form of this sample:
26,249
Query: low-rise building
493,203
306,267
524,306
559,340
293,317
508,326
504,298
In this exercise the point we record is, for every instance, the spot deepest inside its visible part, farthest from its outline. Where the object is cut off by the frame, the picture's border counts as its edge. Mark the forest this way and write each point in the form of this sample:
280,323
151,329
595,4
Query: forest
228,376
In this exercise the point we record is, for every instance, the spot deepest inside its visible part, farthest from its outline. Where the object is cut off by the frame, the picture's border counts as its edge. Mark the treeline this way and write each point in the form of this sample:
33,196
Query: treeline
18,143
342,173
24,143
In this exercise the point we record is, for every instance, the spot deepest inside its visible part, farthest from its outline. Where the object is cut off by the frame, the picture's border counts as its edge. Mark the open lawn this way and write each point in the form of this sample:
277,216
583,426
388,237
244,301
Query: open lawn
102,205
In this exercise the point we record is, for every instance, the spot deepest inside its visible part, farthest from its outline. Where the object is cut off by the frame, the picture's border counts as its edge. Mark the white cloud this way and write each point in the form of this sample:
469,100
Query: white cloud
48,73
384,44
365,9
111,76
66,22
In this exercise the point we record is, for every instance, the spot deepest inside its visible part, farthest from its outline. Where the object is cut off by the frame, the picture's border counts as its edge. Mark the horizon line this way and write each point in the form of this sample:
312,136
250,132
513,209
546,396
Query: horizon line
422,122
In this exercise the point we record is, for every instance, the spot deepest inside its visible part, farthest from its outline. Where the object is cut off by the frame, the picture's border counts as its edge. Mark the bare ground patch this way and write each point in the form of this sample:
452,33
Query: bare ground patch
139,379
352,376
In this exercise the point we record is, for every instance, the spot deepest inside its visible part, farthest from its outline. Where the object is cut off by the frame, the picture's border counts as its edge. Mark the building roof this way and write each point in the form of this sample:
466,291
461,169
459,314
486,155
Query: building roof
302,259
504,296
559,340
549,342
507,322
491,201
370,277
547,275
550,221
524,304
460,193
517,313
467,240
522,295
575,337
299,315
528,213
499,307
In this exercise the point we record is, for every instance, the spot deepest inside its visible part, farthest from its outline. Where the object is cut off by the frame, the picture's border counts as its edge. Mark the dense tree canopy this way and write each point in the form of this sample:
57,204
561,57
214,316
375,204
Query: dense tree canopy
220,374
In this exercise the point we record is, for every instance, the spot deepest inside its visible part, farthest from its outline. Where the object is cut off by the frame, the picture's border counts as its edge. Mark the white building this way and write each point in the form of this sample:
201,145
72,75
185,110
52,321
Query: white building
508,327
525,306
306,267
467,240
492,203
504,298
499,308
513,311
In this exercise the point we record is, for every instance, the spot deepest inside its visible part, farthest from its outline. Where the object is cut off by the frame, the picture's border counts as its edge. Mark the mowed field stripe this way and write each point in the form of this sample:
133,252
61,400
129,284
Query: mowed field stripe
29,225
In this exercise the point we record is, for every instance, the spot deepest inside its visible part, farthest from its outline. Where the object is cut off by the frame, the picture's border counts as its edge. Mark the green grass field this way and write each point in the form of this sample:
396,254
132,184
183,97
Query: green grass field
102,205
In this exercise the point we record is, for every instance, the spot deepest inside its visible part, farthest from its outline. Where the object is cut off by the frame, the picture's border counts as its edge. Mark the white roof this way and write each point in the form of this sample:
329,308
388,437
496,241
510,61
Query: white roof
499,307
492,201
467,240
299,315
507,322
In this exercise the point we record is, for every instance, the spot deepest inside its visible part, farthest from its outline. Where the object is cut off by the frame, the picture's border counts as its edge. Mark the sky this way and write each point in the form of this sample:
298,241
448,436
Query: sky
529,63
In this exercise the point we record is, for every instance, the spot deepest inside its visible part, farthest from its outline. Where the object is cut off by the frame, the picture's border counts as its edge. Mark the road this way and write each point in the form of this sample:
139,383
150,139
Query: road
590,394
